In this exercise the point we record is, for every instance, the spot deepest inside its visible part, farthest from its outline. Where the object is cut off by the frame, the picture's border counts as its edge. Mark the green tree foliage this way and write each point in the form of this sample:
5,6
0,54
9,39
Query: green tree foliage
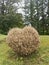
39,15
9,17
9,21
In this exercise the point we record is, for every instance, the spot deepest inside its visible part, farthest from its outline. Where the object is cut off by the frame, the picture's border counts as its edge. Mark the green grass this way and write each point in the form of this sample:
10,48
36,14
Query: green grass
40,57
2,37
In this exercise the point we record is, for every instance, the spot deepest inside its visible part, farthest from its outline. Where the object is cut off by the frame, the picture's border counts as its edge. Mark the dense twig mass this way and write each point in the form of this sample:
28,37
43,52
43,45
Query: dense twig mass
23,41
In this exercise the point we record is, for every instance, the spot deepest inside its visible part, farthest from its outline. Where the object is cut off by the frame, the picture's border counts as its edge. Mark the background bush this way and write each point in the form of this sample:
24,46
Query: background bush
9,21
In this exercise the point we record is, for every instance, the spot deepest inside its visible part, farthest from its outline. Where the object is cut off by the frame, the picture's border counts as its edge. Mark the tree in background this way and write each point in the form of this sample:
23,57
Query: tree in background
29,11
7,6
47,18
39,15
9,17
26,10
36,13
32,12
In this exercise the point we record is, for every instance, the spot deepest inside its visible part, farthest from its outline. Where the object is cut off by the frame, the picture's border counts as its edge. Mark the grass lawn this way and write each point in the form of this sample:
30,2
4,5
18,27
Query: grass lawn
41,57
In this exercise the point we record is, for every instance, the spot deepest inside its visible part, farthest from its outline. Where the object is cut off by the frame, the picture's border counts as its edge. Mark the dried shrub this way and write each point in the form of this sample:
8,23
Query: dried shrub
23,41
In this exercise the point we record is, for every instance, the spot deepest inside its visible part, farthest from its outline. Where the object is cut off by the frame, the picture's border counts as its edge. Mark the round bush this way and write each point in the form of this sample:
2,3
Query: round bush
23,41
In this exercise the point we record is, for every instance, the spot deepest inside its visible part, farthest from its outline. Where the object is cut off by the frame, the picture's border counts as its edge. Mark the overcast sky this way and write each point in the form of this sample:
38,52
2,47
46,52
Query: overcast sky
20,10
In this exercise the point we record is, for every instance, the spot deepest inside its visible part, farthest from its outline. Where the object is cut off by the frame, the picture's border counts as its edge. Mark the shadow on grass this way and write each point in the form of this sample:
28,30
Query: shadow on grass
27,60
